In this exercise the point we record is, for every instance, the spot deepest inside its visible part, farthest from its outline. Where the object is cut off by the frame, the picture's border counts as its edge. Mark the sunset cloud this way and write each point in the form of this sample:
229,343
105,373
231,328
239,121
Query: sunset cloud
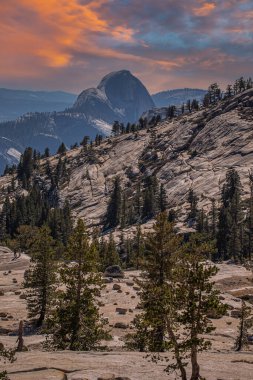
71,44
204,10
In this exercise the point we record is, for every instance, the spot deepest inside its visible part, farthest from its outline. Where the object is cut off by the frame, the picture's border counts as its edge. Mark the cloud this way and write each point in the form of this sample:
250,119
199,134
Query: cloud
70,44
205,9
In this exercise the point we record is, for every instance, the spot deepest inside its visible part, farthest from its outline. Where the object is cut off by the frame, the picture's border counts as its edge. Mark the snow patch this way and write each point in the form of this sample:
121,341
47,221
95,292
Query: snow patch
102,126
14,153
48,135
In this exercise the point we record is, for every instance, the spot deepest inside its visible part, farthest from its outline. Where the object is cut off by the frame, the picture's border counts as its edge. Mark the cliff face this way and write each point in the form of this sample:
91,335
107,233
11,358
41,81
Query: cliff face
119,96
193,151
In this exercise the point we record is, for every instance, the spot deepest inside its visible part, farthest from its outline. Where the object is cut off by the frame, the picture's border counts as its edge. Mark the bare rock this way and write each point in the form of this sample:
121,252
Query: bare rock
121,325
236,313
114,271
116,287
121,310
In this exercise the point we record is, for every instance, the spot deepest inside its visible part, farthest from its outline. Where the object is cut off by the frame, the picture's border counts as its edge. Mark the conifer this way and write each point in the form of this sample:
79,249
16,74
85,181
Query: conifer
41,276
76,323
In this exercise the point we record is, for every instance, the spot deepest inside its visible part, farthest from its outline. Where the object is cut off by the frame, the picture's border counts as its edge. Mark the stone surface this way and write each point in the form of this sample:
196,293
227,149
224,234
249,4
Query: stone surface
114,271
191,152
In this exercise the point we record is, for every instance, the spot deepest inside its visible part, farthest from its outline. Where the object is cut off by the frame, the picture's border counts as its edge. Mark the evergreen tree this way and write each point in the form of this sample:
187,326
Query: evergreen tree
6,355
139,248
41,276
62,149
249,221
245,323
111,256
85,142
151,195
46,153
230,218
193,201
192,298
76,323
213,219
229,91
26,167
114,209
163,204
161,247
214,93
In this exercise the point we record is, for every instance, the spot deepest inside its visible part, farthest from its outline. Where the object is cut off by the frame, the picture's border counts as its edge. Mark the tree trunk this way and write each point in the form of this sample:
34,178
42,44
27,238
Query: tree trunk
176,349
194,361
20,339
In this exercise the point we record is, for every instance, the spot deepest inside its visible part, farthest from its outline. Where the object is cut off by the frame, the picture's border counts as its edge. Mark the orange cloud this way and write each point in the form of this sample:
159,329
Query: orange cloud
55,27
204,10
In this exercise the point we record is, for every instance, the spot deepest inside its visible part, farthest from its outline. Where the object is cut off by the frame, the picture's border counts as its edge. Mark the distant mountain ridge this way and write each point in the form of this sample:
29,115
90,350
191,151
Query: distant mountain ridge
177,97
119,96
15,103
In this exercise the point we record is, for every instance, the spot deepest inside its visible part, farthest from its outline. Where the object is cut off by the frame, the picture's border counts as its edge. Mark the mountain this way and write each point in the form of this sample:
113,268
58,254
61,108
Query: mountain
177,97
14,103
119,96
192,151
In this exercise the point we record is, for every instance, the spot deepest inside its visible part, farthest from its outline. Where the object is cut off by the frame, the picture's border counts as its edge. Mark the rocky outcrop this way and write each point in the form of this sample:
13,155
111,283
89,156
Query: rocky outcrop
192,151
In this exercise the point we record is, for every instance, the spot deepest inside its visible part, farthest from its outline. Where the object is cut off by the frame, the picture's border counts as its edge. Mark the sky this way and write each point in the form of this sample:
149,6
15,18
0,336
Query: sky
71,44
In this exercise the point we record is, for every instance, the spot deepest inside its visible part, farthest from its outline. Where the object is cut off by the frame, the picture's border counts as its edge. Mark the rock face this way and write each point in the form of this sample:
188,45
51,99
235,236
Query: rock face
193,151
119,96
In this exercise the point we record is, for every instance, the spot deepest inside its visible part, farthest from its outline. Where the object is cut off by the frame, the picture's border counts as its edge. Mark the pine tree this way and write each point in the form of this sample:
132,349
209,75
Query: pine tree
230,218
214,93
114,209
151,197
139,248
62,149
161,247
26,167
249,221
41,276
46,152
6,355
85,142
193,201
111,256
192,299
76,323
163,203
229,91
177,296
245,323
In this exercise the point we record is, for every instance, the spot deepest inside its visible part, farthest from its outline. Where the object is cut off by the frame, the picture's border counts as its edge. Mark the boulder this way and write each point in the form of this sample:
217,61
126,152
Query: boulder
236,313
116,287
114,271
121,310
121,325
